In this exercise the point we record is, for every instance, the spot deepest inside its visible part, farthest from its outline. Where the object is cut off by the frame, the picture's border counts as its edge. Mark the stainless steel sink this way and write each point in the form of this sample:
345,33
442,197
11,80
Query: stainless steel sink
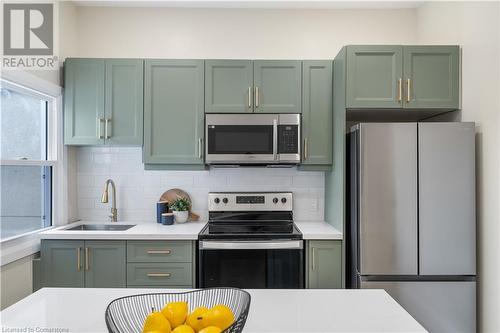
101,227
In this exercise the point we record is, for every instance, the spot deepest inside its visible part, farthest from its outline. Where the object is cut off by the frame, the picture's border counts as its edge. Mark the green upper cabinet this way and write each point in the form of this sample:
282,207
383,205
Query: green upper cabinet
173,112
324,259
124,102
103,102
105,265
432,77
84,101
317,112
277,86
402,77
228,86
374,76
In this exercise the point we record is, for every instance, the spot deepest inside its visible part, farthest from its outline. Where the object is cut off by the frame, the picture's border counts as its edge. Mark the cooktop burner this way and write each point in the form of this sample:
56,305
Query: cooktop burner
256,216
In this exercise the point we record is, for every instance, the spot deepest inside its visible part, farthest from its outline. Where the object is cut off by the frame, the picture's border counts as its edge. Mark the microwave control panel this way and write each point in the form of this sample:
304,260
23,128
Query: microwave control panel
288,139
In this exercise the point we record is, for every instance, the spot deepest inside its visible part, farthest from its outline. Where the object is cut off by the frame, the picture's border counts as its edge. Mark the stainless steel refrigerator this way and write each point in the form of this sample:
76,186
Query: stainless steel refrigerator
412,222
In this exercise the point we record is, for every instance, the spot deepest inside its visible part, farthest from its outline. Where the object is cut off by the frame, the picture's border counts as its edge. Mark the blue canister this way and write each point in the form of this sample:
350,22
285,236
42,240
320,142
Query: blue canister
167,218
161,207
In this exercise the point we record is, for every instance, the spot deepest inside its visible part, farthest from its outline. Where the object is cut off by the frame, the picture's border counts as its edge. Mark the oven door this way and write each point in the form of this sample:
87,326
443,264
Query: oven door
241,138
251,265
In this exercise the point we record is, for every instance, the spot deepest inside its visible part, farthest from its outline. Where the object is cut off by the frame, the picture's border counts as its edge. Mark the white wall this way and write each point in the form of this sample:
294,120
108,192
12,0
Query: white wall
476,27
235,33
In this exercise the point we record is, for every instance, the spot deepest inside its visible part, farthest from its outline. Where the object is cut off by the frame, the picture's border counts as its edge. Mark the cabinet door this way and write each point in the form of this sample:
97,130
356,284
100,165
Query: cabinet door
317,112
84,101
123,107
228,86
374,76
325,264
173,112
105,264
277,86
62,263
432,77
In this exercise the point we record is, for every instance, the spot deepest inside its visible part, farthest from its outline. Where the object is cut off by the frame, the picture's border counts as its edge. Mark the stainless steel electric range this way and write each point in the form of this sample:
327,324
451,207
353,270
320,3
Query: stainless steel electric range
250,241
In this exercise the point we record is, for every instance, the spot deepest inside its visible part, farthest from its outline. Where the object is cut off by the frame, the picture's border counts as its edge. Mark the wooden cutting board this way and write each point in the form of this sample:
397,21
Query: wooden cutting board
176,193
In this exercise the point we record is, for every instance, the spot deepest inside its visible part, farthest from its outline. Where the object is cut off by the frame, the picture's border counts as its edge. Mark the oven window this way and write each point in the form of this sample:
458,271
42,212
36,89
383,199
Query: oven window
240,139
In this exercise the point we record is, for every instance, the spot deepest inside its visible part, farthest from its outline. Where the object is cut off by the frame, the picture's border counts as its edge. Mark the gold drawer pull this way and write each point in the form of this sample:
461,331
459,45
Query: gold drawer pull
158,274
159,251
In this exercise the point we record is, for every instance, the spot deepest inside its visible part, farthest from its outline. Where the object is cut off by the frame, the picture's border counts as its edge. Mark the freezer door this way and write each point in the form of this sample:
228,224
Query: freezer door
387,199
447,220
438,306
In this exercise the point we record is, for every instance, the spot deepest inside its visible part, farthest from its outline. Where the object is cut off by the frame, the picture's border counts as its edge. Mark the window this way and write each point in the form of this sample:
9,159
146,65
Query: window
27,160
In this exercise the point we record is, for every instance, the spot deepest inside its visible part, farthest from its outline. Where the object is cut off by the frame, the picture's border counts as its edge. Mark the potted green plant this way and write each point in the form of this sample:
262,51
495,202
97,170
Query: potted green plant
180,208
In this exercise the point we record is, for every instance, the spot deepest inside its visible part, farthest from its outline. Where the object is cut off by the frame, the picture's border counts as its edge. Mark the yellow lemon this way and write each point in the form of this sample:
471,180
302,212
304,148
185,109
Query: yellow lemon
183,329
156,322
176,313
220,316
211,329
193,321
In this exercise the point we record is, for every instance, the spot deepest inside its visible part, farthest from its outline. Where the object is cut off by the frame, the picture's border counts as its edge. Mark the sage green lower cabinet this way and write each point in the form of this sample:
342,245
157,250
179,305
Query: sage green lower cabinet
173,112
63,263
432,77
317,112
277,86
161,263
324,264
105,266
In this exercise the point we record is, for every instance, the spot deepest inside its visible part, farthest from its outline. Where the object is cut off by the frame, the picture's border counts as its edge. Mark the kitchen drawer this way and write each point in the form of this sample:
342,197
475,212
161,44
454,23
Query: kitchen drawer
159,274
159,251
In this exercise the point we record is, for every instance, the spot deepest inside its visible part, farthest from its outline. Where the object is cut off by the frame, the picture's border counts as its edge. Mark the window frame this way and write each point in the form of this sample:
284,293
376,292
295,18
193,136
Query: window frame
21,245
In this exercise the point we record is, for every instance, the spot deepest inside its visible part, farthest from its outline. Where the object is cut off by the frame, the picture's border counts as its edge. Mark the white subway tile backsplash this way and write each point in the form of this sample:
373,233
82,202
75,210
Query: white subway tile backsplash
139,189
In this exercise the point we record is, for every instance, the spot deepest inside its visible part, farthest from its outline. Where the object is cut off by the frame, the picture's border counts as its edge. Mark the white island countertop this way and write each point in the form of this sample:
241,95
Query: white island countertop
141,231
279,311
318,230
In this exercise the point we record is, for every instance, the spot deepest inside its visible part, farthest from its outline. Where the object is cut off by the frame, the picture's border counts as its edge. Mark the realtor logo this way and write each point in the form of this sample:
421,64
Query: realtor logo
28,29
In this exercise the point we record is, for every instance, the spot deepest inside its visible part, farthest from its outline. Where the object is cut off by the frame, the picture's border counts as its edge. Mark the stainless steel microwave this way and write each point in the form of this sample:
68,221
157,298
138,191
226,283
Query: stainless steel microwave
252,138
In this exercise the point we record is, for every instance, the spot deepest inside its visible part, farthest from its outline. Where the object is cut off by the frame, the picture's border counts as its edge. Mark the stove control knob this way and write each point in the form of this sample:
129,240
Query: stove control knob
225,200
275,200
283,200
216,200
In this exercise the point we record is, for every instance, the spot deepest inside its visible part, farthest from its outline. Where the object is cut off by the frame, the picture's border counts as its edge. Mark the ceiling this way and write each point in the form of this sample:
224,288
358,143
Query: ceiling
260,4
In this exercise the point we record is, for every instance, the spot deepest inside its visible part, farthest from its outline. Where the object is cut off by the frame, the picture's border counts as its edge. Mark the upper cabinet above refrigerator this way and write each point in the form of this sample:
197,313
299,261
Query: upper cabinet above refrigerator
402,77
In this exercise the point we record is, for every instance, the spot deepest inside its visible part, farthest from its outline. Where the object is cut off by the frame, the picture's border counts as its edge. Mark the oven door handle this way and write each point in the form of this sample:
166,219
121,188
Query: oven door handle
256,245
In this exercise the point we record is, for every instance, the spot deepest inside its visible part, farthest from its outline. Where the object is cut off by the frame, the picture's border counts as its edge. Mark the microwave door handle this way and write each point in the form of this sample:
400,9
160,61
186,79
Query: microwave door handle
275,139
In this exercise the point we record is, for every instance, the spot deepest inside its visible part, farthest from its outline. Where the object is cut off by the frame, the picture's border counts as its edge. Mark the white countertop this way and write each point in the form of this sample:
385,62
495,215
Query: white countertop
144,230
318,230
298,310
185,231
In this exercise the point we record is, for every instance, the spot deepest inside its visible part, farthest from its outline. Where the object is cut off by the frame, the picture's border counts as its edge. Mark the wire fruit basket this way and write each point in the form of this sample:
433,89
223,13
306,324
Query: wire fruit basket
127,314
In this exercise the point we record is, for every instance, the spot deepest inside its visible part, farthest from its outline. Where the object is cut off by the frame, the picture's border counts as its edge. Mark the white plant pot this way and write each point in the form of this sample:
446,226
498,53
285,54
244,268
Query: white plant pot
181,217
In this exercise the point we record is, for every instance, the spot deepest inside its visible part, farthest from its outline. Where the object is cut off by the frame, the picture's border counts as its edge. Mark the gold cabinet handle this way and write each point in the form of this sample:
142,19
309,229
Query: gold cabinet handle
158,274
249,93
107,130
99,128
87,264
400,90
313,259
78,263
305,148
200,148
151,251
257,97
408,90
